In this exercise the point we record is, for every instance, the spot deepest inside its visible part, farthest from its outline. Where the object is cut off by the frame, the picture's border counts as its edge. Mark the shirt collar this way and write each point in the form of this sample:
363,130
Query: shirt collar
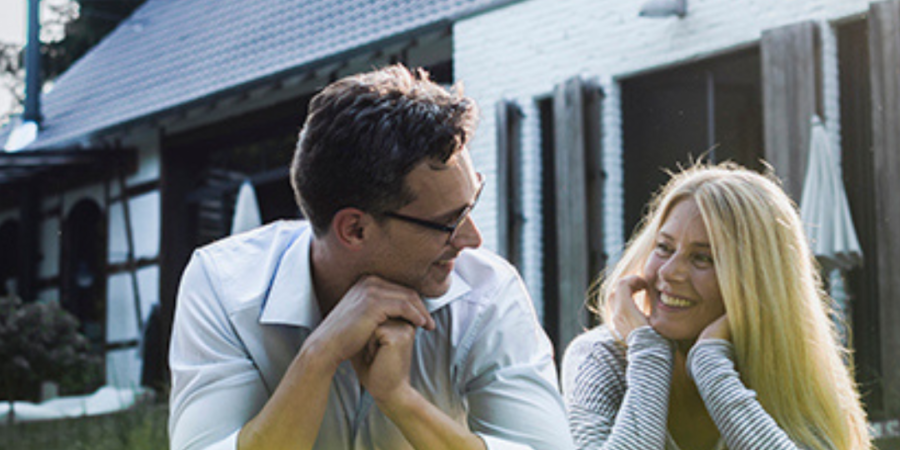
458,288
292,300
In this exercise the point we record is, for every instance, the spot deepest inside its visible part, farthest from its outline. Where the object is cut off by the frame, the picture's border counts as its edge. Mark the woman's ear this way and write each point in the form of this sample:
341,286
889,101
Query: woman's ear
351,227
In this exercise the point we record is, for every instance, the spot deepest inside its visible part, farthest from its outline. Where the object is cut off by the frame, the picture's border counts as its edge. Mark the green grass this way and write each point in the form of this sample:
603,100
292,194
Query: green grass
140,428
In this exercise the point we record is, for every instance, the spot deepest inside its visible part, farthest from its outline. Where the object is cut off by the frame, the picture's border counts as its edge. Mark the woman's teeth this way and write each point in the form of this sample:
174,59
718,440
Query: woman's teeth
674,301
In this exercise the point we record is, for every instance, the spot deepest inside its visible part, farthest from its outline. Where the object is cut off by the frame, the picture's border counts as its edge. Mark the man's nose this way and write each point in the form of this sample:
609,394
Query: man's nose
468,236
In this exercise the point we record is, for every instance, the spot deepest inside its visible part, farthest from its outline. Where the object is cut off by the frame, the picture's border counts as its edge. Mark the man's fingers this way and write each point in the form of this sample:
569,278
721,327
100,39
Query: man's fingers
391,332
413,306
396,329
400,302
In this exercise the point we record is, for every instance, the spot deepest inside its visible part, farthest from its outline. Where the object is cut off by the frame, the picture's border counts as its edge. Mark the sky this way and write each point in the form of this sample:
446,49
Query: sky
12,21
13,26
12,30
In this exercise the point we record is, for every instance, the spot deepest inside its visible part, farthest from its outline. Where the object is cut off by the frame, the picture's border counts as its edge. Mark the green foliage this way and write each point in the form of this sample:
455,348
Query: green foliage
140,428
96,19
39,342
70,28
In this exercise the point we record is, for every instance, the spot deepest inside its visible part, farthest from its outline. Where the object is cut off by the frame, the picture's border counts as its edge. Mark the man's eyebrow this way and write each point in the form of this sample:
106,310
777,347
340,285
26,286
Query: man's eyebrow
452,215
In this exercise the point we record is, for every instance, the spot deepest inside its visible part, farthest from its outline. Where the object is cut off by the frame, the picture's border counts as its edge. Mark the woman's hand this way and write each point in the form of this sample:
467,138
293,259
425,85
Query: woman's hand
718,329
625,313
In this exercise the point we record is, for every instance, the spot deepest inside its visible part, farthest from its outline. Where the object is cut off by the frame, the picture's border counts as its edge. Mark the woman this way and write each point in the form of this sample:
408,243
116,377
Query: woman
717,331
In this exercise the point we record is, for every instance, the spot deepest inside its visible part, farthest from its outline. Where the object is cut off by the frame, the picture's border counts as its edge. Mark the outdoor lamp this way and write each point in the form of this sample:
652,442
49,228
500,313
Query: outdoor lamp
664,8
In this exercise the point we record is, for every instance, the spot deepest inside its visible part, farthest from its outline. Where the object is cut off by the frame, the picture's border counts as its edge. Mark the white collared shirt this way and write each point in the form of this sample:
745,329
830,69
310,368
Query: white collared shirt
246,305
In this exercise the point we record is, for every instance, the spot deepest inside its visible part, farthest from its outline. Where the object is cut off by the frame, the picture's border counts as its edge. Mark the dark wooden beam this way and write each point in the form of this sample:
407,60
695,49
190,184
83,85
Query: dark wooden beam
884,50
791,96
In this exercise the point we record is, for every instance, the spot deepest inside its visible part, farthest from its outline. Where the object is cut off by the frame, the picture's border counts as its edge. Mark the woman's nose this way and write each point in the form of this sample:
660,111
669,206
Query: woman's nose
674,269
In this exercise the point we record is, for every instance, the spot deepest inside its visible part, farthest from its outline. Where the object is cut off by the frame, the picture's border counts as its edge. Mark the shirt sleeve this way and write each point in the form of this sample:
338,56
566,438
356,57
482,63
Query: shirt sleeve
215,387
740,418
509,378
607,412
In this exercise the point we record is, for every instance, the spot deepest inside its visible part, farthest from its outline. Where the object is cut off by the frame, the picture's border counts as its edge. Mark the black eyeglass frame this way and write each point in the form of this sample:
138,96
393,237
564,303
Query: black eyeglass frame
452,229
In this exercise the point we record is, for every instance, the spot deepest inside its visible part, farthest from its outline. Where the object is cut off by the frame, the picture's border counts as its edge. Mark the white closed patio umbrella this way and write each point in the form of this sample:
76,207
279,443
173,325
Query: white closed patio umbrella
246,210
824,208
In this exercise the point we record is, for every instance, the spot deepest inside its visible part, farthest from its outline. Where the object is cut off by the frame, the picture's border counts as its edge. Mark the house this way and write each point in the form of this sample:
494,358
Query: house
585,102
145,140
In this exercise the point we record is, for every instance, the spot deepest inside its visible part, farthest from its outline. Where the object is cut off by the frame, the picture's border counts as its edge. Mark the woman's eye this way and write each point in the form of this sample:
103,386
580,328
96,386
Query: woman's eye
703,258
663,248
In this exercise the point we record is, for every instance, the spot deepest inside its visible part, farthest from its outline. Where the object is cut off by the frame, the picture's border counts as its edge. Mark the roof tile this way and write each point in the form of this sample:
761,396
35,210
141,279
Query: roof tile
169,53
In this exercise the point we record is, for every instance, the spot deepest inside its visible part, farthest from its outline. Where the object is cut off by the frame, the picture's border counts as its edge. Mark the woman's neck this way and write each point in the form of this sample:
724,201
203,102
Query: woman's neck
689,422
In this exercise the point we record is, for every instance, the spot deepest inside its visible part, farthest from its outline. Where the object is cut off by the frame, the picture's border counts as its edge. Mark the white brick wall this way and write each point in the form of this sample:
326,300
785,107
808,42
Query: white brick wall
520,52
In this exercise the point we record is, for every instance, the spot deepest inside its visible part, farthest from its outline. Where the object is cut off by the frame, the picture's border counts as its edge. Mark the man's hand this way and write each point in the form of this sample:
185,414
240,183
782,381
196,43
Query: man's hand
625,313
369,303
383,369
383,365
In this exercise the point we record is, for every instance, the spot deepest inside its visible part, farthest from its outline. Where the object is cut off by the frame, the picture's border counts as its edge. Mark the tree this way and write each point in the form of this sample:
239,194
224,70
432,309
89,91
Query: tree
38,342
69,29
95,19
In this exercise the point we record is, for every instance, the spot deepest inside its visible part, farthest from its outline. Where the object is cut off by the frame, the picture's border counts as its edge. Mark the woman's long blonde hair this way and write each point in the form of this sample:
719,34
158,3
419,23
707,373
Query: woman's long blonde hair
787,348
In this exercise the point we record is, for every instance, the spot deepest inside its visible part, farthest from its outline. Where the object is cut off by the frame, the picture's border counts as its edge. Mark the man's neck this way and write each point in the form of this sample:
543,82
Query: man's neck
330,279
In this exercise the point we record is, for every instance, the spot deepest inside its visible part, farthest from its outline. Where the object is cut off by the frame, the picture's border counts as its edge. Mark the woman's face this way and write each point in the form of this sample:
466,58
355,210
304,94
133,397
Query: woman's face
683,289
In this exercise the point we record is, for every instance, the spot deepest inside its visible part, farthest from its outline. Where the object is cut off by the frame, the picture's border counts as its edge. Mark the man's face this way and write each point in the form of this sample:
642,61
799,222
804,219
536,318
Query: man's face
420,257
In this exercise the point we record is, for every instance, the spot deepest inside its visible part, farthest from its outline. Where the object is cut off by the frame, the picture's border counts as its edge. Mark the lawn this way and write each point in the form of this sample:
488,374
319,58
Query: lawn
141,428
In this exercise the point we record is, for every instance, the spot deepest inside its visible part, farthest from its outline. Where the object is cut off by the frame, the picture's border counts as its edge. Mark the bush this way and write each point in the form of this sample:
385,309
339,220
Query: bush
39,342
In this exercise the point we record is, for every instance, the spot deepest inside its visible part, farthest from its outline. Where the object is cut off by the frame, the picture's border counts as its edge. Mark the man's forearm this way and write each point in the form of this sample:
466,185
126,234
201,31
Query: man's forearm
292,416
427,427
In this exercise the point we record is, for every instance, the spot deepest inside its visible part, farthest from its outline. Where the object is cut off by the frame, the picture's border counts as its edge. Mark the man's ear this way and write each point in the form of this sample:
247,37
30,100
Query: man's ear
351,227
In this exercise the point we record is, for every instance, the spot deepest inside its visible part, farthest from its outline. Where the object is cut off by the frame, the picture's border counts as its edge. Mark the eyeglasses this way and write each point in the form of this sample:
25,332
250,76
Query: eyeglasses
453,228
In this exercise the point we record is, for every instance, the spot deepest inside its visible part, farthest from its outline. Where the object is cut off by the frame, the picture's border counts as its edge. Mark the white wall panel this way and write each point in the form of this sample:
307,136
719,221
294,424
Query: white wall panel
49,248
121,320
146,225
520,52
123,368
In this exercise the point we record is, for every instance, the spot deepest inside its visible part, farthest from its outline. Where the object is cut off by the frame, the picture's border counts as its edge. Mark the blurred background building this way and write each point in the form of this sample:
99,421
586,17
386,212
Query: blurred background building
144,142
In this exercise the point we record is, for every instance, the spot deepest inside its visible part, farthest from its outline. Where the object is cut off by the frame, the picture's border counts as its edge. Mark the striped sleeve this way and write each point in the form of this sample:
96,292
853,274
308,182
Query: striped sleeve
740,418
618,399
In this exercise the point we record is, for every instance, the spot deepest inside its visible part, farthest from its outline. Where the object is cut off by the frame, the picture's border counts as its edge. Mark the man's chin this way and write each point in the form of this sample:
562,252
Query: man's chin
435,288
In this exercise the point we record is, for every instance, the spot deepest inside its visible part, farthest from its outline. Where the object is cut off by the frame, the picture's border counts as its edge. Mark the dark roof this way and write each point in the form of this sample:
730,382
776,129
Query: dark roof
172,52
24,165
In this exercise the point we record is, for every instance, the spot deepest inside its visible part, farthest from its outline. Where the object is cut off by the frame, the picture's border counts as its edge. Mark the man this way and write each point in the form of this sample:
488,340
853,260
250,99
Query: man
378,324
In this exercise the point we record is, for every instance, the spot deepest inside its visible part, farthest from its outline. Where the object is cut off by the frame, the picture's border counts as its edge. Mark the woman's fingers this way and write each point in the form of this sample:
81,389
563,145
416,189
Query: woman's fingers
626,315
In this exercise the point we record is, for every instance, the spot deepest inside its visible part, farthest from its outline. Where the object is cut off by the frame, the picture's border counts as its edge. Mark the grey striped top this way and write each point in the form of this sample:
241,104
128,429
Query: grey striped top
618,399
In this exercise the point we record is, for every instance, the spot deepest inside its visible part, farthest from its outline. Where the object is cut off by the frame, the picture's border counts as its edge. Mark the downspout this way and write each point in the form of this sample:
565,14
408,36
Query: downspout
26,130
30,198
32,111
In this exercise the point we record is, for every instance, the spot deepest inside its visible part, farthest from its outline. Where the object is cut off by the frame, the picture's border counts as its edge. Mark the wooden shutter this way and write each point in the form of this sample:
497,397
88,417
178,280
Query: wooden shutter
510,216
791,95
596,177
884,49
576,125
